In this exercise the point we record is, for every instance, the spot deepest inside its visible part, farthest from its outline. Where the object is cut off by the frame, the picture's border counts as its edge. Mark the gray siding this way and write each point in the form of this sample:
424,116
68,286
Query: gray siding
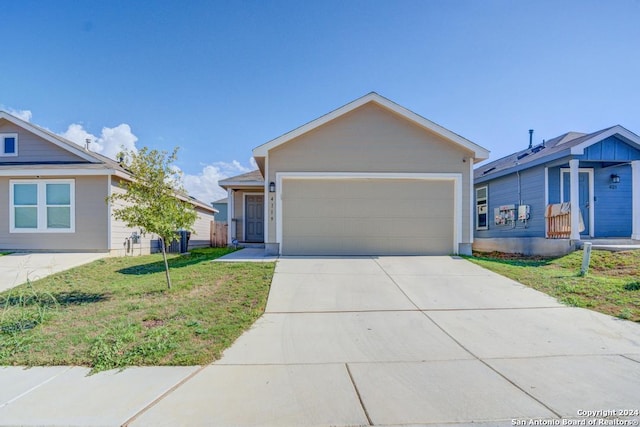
32,148
91,221
504,191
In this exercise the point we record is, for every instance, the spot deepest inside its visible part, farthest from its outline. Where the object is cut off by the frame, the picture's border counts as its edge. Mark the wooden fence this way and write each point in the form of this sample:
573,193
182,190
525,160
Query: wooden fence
219,234
558,221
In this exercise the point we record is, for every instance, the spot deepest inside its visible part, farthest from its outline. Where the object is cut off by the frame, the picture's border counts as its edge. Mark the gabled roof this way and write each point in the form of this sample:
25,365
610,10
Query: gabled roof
57,140
479,153
94,163
249,179
567,144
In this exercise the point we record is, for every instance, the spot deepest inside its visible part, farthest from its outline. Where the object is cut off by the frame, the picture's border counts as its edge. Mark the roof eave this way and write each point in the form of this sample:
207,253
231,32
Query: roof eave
58,141
627,135
241,184
518,168
479,153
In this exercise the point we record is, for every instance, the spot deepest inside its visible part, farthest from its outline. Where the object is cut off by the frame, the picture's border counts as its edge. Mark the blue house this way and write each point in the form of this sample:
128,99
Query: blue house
221,206
548,198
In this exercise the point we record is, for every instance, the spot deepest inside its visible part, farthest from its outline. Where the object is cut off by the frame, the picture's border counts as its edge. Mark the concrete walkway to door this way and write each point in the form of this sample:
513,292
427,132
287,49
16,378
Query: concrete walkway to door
409,341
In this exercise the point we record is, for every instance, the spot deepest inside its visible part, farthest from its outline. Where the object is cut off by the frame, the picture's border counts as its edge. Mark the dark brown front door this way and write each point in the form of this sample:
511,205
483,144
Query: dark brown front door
254,219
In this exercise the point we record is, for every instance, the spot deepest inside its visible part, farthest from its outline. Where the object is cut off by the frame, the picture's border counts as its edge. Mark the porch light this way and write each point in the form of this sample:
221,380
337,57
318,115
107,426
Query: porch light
272,187
615,179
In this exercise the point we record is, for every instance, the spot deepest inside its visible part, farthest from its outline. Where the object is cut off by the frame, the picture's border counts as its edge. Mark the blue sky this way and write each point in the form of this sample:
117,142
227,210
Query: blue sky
220,78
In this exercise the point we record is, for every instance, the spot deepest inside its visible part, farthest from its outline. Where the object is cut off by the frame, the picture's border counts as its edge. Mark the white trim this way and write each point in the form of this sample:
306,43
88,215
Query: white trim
590,173
239,184
479,153
455,177
55,140
546,198
616,130
244,215
635,199
472,206
3,137
55,172
41,206
267,201
475,210
109,213
231,202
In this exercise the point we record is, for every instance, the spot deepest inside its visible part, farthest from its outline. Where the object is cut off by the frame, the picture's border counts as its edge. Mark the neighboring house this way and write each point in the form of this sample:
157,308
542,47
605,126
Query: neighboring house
369,178
524,202
221,206
55,191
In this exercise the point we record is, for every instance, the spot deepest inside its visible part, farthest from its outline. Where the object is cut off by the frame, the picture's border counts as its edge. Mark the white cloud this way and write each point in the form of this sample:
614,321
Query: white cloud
204,185
109,143
21,114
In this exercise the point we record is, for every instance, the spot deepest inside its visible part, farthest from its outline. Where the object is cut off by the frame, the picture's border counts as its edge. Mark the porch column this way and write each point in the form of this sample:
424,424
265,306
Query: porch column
635,200
231,224
575,199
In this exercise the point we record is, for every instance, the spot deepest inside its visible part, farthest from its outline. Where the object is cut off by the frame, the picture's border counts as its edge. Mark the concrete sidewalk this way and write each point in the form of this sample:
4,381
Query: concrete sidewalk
367,341
17,268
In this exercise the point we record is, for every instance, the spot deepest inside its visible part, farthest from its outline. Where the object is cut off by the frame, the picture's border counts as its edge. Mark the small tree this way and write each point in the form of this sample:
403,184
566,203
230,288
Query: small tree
151,201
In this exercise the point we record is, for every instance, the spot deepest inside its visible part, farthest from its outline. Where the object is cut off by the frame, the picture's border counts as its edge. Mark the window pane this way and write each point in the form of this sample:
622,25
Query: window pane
58,194
481,193
26,217
9,145
25,194
58,217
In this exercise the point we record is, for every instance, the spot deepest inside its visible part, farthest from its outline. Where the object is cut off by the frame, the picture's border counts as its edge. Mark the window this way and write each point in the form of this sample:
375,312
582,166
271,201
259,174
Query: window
42,206
482,208
8,144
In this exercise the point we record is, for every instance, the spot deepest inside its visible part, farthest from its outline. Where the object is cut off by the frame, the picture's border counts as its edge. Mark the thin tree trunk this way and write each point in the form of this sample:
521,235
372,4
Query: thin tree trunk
166,264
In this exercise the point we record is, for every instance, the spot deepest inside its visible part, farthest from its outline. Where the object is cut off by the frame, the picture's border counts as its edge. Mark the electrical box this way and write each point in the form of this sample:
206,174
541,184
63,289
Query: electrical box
524,211
135,238
504,215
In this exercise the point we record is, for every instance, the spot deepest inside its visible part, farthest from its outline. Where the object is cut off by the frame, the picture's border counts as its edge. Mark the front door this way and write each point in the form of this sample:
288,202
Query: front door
254,218
584,196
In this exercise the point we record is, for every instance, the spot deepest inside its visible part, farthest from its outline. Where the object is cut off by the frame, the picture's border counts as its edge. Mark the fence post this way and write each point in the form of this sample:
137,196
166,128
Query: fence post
586,258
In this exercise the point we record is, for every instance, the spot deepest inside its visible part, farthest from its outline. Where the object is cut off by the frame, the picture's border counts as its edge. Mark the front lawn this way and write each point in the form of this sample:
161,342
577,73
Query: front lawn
118,312
612,285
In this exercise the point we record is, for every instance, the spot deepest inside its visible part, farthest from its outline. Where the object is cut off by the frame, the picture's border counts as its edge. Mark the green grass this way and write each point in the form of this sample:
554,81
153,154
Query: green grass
118,312
612,285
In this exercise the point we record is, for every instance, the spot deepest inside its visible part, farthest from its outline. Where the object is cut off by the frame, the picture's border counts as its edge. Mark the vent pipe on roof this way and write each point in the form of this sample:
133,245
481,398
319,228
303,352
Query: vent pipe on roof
530,138
87,144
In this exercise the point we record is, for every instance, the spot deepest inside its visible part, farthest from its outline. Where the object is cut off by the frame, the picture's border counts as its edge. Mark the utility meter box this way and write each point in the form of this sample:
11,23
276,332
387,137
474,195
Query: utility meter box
504,215
524,212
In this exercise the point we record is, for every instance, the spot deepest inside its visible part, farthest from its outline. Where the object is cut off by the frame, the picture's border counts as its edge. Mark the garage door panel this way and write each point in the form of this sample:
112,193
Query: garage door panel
367,217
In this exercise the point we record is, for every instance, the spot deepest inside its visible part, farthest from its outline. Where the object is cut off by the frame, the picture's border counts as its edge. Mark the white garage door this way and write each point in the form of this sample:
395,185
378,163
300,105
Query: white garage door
367,217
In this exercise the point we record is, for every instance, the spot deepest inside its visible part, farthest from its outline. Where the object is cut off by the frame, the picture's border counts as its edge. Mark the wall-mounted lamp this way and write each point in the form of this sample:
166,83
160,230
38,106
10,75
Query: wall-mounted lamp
272,187
615,178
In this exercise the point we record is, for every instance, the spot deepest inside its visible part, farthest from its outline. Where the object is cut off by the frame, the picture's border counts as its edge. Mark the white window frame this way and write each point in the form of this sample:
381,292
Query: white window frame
486,198
4,136
42,206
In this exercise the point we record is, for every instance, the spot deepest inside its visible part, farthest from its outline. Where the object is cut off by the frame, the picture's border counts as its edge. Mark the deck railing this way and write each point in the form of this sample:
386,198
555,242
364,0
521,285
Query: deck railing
558,218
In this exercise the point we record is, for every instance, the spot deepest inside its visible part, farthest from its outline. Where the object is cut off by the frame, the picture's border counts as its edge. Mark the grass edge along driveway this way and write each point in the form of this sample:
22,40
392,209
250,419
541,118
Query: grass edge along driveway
117,312
612,285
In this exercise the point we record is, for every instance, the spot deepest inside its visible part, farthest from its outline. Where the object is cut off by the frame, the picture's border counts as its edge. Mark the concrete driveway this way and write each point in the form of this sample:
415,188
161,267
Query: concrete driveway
16,268
409,341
